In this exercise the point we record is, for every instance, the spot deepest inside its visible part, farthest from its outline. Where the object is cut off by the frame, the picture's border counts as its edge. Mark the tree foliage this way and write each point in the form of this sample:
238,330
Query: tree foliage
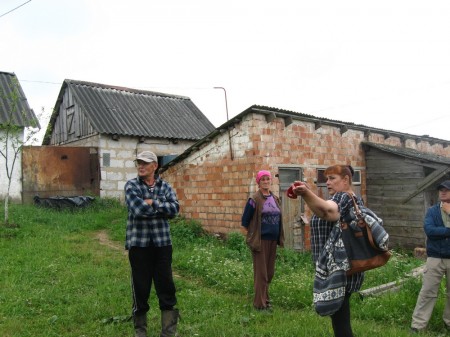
16,118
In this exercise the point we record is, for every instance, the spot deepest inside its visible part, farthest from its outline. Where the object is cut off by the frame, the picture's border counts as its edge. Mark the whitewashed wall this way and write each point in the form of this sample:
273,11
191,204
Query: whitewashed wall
15,192
116,159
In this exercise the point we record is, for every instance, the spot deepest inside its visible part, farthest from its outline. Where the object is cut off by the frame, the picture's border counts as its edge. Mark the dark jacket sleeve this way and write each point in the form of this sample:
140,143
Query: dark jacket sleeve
247,216
433,224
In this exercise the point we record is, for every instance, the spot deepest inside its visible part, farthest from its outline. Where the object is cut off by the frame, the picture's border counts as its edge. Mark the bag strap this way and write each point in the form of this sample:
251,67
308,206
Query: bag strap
360,218
355,206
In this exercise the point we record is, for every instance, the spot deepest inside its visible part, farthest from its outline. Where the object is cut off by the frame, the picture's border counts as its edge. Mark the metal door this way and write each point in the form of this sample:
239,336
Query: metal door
59,171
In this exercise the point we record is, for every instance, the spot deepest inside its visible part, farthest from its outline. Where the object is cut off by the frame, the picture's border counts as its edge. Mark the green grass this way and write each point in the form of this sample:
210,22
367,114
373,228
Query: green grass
57,279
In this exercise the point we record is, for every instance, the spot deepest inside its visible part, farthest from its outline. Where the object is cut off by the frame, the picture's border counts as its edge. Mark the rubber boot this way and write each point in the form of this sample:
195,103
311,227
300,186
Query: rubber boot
169,320
140,325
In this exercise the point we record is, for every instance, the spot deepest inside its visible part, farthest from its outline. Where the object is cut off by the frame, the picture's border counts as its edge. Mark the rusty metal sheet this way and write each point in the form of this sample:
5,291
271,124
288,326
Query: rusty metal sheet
59,171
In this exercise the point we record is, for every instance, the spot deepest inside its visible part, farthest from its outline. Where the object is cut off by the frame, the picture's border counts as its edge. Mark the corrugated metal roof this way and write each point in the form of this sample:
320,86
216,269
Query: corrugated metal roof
409,153
311,119
14,108
133,112
337,123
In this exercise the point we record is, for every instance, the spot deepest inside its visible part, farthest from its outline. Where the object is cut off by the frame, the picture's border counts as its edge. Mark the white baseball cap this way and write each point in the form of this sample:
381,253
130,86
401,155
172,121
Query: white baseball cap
147,156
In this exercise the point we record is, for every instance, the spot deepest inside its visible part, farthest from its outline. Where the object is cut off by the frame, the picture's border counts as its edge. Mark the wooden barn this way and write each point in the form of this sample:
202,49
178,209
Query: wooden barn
401,186
109,125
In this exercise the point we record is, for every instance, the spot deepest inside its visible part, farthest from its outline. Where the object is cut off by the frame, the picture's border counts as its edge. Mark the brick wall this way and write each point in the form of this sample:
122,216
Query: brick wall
214,183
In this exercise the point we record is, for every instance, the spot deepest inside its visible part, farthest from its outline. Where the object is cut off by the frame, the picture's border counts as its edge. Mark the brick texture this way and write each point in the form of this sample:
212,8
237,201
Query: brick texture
214,182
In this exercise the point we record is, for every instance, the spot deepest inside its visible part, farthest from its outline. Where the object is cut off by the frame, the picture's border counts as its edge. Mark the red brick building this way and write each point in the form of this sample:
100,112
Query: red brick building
215,176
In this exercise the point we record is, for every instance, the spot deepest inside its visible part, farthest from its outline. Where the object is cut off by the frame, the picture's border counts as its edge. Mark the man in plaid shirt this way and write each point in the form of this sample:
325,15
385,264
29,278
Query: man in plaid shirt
151,201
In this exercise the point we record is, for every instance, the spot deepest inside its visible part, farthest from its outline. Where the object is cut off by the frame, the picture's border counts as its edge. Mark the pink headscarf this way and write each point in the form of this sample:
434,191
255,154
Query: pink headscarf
262,173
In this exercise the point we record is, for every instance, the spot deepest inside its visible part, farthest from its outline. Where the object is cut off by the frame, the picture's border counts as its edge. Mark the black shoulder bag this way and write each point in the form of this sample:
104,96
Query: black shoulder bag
365,239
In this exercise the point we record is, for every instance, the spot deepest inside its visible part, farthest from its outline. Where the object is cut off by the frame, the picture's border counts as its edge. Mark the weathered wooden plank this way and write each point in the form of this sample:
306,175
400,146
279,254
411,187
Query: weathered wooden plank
389,204
390,180
391,286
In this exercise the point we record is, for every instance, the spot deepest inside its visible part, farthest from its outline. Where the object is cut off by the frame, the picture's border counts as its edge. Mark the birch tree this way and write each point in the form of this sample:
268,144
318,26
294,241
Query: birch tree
16,118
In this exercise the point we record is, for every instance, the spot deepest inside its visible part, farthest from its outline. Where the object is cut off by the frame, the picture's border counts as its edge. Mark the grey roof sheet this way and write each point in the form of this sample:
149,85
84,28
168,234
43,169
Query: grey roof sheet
132,112
14,111
349,125
319,120
409,153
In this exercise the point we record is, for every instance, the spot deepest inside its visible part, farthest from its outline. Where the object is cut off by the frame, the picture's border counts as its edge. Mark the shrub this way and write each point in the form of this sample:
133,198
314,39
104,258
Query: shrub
236,241
185,231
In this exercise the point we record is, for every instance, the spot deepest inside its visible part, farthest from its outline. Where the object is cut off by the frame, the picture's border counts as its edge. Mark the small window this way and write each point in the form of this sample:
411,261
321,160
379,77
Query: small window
106,159
70,120
357,177
166,159
322,180
286,176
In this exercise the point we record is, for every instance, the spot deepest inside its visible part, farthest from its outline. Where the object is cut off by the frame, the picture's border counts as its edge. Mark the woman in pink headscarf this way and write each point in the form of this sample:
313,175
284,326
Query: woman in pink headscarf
263,221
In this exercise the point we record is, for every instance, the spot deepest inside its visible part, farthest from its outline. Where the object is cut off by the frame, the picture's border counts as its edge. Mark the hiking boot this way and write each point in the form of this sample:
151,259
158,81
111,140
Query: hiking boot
140,325
169,320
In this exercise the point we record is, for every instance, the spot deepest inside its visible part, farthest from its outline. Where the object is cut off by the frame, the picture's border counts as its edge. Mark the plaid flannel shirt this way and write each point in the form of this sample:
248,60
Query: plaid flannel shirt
321,229
148,225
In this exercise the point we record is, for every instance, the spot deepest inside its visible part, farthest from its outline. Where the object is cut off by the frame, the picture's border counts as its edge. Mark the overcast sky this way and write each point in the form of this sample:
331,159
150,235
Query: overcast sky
383,63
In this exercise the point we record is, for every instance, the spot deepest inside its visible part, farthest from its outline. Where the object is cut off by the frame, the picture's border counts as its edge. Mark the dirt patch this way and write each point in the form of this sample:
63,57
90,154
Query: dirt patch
103,239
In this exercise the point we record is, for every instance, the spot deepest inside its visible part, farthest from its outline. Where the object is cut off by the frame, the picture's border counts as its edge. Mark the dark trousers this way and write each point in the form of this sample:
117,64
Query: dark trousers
151,264
263,271
341,319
